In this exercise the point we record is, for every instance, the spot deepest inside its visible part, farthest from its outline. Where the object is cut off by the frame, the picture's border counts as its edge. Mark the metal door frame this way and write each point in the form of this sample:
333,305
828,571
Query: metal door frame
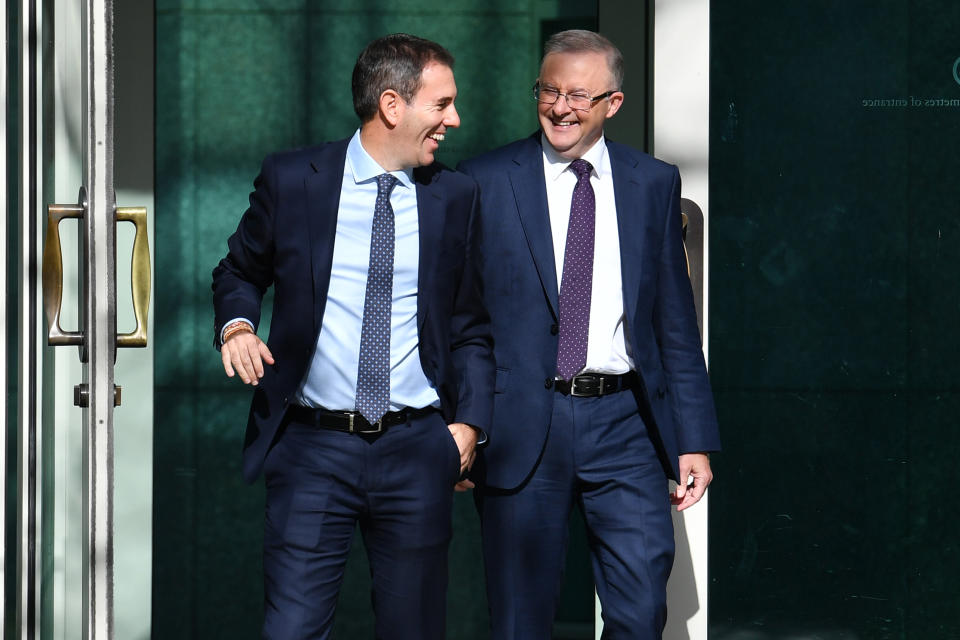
681,116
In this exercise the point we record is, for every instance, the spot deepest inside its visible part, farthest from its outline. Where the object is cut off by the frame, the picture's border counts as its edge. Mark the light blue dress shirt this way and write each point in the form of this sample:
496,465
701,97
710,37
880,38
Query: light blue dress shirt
331,380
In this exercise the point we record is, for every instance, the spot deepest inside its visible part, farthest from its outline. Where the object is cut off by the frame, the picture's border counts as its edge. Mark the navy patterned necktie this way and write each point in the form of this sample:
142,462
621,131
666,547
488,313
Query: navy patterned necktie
373,374
576,285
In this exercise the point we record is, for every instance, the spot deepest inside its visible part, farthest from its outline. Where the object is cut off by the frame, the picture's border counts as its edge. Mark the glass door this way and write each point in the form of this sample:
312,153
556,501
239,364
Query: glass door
69,477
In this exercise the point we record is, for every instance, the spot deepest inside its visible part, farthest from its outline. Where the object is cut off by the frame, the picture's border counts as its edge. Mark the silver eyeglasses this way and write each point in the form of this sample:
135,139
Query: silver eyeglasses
576,101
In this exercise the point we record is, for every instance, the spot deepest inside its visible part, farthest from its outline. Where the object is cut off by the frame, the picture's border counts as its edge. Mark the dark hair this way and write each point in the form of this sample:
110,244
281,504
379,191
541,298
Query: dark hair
393,62
580,41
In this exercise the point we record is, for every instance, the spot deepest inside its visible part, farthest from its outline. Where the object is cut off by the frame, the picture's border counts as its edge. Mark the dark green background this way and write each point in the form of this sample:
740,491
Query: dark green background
833,271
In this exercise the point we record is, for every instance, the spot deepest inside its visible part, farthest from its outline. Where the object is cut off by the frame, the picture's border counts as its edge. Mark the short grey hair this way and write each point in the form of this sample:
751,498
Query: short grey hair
582,41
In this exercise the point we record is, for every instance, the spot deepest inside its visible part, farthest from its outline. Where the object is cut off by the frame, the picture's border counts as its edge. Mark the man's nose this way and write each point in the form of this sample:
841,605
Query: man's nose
564,109
453,118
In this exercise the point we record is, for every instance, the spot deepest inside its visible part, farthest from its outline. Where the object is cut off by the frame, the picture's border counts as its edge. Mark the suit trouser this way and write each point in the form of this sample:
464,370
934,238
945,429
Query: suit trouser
398,487
597,453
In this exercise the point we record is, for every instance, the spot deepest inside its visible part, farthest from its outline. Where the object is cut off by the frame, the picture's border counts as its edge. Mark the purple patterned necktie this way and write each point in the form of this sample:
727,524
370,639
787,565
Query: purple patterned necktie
576,285
373,373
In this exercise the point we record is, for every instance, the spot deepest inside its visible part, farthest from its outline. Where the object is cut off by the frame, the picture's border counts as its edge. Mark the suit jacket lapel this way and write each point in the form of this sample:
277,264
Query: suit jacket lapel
530,192
431,212
631,218
322,203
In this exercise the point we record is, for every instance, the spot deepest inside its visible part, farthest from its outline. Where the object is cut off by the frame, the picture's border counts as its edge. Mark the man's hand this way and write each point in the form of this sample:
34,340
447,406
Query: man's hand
245,353
466,438
696,466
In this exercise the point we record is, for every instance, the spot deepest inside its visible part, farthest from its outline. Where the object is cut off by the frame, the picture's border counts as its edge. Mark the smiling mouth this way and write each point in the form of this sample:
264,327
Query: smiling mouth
564,123
437,136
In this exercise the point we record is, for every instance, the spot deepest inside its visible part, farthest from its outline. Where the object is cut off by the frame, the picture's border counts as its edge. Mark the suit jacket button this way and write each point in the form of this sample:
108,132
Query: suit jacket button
548,383
554,329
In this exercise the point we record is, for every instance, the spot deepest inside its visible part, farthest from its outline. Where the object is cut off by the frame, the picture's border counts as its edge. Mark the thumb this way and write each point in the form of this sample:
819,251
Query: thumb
683,480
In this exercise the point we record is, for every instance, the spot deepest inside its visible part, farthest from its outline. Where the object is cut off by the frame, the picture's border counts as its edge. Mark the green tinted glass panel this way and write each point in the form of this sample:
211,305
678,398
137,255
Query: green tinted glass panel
833,270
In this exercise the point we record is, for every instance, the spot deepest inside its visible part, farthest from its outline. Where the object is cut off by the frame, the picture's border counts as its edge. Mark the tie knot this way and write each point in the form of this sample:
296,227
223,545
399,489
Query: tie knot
582,168
385,184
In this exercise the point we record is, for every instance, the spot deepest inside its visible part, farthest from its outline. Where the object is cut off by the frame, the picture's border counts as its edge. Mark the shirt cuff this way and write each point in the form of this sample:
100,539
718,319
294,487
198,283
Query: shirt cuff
481,435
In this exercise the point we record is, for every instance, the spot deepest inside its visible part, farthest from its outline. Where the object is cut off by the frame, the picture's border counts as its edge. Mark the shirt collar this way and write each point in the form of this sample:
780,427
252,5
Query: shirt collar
555,165
364,168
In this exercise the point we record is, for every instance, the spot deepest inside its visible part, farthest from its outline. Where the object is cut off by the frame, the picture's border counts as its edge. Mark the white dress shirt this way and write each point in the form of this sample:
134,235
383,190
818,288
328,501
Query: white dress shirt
607,349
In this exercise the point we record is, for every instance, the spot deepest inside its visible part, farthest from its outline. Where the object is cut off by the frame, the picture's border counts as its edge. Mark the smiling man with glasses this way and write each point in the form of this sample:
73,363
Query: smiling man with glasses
601,389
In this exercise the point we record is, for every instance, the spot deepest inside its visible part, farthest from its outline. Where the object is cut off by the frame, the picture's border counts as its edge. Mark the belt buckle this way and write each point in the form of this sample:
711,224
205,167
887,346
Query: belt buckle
589,391
376,427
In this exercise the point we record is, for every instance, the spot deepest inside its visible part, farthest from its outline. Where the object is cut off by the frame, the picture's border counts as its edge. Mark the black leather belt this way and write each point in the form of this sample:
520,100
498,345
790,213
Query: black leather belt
351,421
591,385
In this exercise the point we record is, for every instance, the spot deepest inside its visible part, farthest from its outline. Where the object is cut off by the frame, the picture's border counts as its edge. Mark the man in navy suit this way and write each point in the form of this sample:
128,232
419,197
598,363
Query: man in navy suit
377,377
601,389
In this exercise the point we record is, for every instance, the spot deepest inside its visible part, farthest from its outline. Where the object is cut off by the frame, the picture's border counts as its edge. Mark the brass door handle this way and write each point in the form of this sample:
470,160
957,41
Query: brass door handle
139,276
53,273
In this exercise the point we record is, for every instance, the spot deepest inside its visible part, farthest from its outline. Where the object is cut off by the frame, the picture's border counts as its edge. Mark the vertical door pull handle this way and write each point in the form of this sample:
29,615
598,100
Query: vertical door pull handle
139,276
53,273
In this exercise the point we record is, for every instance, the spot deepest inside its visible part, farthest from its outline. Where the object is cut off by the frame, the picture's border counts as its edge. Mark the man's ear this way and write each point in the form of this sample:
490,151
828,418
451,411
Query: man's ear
616,100
391,107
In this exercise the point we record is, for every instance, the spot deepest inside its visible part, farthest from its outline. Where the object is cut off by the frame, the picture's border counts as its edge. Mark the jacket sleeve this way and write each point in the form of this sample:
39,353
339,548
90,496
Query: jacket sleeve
242,277
681,351
471,342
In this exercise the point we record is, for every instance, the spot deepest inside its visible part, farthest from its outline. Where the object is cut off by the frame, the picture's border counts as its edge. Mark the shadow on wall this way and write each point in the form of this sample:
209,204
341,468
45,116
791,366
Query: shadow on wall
682,578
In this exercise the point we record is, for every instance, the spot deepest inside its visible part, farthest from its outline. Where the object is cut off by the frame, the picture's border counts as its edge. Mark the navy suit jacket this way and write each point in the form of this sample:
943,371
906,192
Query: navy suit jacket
521,286
286,238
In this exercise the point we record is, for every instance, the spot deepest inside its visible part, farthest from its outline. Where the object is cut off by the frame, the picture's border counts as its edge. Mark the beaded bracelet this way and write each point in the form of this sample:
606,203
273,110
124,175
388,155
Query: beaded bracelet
236,327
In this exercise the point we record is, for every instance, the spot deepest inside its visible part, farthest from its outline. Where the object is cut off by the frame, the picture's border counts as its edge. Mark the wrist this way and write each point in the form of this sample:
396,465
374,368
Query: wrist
480,434
234,328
